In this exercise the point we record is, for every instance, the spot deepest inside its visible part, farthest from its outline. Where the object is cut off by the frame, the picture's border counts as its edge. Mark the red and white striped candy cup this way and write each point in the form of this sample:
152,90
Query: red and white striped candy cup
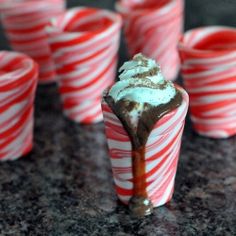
153,27
84,42
24,22
208,57
18,81
161,154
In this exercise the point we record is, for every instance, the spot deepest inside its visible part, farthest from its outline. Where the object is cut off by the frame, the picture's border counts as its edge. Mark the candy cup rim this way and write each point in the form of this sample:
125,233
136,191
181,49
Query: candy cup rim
25,7
181,89
182,47
26,66
56,26
124,10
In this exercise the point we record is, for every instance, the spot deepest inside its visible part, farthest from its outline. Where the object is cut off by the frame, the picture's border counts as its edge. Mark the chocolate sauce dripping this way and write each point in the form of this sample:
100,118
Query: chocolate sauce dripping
139,204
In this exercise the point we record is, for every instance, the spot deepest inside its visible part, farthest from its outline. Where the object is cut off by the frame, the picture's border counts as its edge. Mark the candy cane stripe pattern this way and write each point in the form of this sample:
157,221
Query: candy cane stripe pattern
24,22
208,57
84,43
18,81
161,154
154,28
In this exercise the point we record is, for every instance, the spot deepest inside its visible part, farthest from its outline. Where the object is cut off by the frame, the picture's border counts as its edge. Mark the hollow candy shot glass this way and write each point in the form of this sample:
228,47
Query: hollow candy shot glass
84,42
154,28
208,58
18,81
161,154
24,22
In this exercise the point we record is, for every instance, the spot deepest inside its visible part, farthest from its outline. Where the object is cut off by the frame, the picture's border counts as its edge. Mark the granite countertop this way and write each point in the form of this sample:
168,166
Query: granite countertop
64,187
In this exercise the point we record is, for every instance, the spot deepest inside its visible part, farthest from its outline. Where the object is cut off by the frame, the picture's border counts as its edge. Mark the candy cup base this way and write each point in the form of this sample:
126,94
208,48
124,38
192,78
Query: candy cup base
85,112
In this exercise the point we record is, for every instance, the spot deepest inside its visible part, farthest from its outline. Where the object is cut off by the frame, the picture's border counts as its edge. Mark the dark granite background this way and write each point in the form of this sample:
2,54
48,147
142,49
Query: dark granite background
64,187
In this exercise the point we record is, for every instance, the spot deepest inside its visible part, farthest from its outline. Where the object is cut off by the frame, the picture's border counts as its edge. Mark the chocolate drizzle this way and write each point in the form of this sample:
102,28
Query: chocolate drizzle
139,204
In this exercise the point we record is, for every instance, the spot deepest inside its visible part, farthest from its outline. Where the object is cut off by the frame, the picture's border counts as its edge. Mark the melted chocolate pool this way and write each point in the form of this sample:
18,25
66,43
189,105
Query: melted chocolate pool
139,204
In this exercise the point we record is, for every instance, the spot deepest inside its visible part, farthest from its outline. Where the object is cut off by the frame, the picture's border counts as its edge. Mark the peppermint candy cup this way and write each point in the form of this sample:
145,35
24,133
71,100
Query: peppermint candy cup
24,22
161,154
84,42
18,80
208,58
153,27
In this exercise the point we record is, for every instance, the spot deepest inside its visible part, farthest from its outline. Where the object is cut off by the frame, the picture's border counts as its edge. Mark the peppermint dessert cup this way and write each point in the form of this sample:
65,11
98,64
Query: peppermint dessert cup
144,139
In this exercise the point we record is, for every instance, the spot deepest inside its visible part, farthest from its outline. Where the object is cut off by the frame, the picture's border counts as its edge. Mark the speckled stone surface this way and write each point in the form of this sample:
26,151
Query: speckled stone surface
64,187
